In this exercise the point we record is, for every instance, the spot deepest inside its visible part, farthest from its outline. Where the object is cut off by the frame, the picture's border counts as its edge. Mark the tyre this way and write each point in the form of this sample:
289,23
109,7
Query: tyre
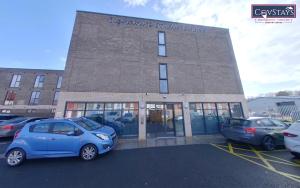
297,155
268,143
88,152
15,157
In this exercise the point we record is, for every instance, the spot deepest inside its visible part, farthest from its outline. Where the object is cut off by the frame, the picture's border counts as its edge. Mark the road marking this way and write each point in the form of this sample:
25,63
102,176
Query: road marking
262,158
280,159
290,176
230,148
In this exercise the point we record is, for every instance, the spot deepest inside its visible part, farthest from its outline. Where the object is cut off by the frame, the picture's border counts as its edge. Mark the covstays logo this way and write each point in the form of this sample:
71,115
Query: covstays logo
273,11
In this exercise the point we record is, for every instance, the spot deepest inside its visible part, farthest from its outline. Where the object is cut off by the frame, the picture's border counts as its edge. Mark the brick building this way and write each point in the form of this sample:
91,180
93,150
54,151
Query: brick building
29,92
151,78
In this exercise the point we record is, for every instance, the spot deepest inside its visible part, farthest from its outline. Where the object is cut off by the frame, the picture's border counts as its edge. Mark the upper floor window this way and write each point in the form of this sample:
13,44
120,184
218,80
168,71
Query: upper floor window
39,81
10,98
163,78
15,81
161,43
55,99
59,80
35,97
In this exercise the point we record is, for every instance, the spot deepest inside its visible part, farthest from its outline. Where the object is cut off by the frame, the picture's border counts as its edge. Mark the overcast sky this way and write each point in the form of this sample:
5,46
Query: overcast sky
36,34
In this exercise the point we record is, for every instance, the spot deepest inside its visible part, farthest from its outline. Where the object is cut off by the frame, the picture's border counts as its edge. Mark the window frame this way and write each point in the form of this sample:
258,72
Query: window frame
165,79
15,83
163,45
38,83
32,102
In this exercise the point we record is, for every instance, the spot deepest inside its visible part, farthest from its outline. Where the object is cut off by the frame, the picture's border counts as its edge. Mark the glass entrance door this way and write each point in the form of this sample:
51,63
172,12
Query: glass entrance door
164,120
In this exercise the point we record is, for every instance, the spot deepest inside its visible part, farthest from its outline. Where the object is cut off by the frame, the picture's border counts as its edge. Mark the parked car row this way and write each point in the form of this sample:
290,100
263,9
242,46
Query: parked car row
266,132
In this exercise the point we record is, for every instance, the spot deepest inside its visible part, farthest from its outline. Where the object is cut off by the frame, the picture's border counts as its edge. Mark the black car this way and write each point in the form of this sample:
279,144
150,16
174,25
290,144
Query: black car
5,117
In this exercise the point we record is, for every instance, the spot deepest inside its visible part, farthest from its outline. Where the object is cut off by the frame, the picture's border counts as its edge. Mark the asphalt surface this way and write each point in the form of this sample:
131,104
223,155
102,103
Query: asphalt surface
175,166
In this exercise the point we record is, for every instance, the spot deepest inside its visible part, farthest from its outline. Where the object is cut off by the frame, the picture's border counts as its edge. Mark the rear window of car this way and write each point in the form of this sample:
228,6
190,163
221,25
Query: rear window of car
40,128
239,122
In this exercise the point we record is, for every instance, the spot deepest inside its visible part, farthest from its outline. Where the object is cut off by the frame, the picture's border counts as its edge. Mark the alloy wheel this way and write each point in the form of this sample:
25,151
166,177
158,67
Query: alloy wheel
15,158
89,152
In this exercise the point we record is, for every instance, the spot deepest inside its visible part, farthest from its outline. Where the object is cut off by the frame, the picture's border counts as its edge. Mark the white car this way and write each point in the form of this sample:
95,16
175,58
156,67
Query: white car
292,139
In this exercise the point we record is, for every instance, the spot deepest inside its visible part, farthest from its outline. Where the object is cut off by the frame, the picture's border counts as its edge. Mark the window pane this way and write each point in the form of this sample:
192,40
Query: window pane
211,121
75,106
163,71
73,114
223,112
94,106
197,121
40,128
163,85
162,50
236,110
62,128
58,86
161,38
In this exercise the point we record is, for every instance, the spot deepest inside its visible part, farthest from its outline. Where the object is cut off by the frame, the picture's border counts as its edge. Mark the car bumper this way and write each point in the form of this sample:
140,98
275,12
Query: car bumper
292,145
107,145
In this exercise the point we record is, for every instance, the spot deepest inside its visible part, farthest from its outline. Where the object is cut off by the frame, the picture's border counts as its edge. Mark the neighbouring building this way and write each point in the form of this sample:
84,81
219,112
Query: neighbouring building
151,78
29,92
283,107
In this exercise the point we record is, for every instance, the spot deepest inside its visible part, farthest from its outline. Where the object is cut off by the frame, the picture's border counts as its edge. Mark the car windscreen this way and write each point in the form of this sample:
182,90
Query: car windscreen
88,124
14,120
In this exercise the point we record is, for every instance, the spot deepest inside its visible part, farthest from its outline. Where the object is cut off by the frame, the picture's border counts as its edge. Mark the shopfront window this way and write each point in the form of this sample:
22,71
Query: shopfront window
197,118
223,113
123,117
236,110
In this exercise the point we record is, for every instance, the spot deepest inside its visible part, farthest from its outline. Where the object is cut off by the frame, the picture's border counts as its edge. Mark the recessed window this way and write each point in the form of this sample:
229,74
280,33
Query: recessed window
35,97
10,98
163,78
15,81
39,81
161,43
59,80
55,99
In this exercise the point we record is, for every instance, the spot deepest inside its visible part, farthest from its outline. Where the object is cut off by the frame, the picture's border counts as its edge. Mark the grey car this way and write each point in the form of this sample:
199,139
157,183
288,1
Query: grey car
5,117
8,128
266,132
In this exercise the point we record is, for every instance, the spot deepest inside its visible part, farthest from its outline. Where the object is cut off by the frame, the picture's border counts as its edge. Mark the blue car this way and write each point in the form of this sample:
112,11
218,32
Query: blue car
60,138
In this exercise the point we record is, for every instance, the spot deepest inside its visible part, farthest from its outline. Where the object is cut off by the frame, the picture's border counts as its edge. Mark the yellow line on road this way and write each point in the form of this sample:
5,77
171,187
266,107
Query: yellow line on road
290,164
247,156
230,148
280,159
266,167
262,158
292,175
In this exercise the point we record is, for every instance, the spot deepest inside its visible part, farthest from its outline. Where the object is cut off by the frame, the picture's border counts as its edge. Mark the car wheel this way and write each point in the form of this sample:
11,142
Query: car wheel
15,157
297,155
268,143
89,152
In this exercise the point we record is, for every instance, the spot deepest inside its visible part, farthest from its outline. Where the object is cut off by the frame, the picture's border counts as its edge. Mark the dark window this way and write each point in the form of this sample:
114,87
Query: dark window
39,81
163,78
15,81
63,128
59,80
161,43
35,96
40,128
55,99
236,110
10,98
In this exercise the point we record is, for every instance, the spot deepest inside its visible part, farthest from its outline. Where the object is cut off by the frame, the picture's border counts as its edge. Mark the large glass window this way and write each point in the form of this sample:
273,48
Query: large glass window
59,81
15,81
236,110
211,118
197,118
35,97
39,81
163,78
161,43
10,98
123,117
223,113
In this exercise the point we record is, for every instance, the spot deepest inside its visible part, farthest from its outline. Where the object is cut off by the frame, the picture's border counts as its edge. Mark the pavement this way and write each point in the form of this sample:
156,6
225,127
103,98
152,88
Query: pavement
200,165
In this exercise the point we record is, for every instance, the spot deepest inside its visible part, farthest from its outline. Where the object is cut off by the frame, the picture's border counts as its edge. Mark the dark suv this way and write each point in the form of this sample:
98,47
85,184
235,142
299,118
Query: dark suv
256,131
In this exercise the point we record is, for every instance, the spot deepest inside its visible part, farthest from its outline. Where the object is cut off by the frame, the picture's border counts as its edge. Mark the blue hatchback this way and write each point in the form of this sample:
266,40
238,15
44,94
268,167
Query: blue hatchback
60,138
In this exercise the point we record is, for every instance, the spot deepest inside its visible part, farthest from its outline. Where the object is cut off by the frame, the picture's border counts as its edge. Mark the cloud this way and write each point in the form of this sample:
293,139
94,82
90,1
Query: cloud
267,54
136,2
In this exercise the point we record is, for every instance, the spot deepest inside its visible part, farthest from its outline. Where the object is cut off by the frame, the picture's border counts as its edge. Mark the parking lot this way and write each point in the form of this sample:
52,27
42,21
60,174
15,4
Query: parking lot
202,165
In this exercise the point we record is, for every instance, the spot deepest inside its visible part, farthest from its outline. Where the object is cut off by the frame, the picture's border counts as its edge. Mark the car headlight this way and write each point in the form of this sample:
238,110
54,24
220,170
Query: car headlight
102,136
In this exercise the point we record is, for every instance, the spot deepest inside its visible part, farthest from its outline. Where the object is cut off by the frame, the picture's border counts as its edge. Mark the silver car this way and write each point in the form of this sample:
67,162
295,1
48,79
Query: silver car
266,132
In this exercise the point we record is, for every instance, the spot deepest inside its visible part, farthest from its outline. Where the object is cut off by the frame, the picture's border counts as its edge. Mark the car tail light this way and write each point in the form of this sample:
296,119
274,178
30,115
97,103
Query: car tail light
250,130
17,134
289,134
7,127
